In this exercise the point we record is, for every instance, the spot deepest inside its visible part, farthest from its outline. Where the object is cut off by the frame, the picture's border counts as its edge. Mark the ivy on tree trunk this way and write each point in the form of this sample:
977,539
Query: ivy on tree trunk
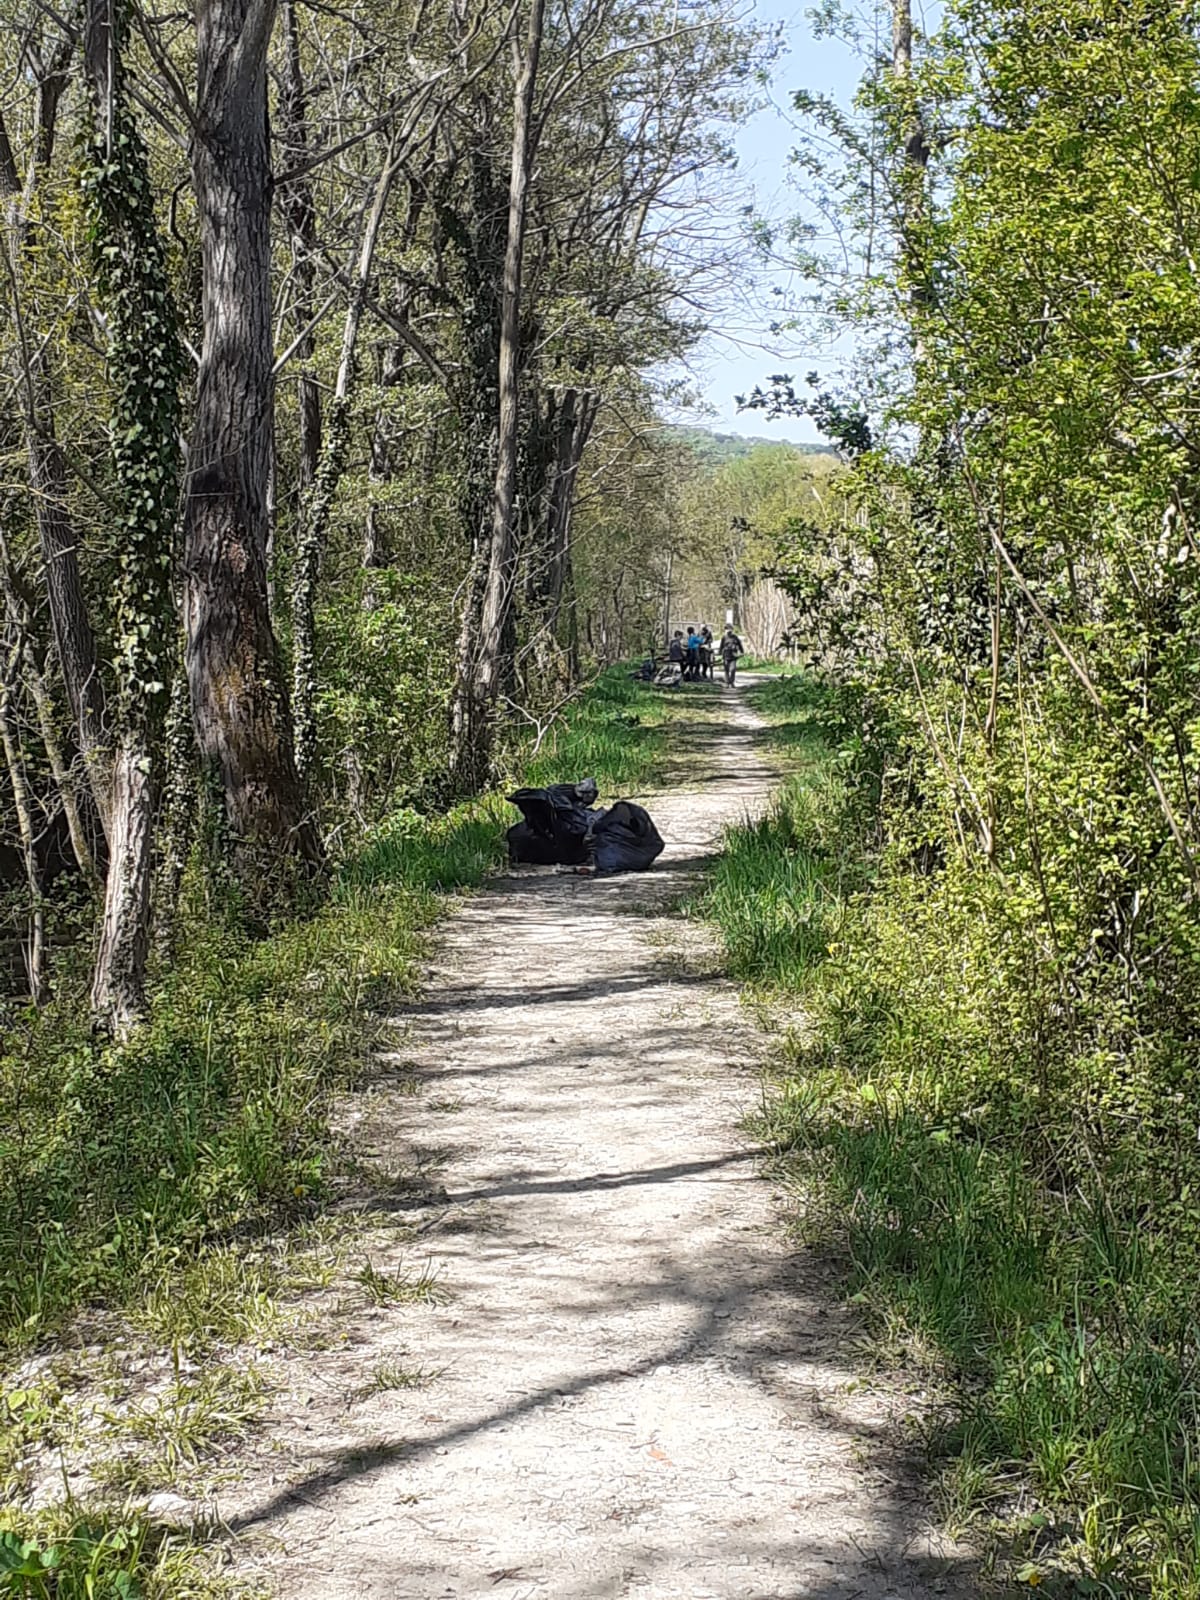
145,365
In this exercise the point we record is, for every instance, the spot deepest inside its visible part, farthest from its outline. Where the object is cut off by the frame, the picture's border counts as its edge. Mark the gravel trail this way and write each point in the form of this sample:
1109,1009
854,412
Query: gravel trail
632,1384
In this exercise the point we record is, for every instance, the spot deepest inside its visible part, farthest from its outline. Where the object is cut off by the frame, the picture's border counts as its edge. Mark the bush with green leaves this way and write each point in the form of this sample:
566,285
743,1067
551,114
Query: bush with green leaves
991,1109
383,644
995,1092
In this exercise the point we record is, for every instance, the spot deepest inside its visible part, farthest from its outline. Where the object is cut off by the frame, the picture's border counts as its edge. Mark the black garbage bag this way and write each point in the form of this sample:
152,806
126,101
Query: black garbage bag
562,828
624,839
557,825
536,850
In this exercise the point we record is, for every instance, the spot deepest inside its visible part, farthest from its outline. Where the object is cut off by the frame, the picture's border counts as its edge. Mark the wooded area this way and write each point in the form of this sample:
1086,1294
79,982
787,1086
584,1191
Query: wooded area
331,455
998,1093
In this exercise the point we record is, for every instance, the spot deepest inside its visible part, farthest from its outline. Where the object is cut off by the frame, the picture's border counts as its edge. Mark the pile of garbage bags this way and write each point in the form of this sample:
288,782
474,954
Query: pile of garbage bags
563,828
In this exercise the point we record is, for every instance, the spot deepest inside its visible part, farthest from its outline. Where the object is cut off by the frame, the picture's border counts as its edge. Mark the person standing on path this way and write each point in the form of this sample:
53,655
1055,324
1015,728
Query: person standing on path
693,655
731,649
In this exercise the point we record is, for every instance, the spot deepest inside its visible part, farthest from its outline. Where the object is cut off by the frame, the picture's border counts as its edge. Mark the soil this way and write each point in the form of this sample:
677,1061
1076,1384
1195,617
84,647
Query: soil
625,1379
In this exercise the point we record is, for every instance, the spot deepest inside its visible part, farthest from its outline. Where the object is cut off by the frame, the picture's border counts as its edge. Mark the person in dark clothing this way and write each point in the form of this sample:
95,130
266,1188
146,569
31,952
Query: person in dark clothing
730,648
706,651
675,649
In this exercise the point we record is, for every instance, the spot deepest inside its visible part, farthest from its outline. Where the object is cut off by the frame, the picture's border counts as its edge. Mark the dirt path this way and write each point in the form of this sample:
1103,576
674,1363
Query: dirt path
637,1391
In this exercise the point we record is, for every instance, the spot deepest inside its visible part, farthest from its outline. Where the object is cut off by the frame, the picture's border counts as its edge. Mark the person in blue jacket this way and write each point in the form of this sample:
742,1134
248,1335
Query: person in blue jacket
693,655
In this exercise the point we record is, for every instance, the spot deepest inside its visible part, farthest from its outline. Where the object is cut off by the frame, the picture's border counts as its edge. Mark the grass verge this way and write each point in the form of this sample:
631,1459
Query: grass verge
779,886
1051,1299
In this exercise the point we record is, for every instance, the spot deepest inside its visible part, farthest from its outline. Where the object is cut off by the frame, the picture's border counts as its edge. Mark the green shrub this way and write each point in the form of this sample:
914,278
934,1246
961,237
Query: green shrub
79,1558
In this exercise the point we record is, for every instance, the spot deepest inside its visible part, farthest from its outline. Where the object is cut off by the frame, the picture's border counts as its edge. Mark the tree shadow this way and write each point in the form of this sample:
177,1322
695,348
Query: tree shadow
453,999
878,1547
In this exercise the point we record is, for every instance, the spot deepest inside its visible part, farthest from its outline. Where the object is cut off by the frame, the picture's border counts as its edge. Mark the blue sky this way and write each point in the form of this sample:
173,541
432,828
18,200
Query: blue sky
728,365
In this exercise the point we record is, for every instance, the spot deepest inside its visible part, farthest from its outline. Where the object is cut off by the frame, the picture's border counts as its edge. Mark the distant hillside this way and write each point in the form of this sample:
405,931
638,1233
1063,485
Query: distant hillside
718,448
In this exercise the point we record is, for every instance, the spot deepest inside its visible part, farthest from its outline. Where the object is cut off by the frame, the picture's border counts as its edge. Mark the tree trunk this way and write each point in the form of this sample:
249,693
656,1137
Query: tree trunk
391,367
550,502
239,700
118,980
375,552
913,208
481,239
901,37
572,443
144,363
74,641
65,780
20,622
14,755
479,666
297,203
73,638
319,506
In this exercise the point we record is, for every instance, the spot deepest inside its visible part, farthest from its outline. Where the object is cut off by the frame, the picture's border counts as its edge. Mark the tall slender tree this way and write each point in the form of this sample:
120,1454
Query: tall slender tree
74,639
144,360
479,663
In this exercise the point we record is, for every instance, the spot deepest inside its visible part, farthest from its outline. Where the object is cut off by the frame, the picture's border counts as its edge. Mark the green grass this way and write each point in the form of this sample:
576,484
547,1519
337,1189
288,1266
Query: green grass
778,889
616,733
752,663
430,854
74,1557
121,1165
400,1286
1069,1350
1053,1303
388,1376
775,891
160,1444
